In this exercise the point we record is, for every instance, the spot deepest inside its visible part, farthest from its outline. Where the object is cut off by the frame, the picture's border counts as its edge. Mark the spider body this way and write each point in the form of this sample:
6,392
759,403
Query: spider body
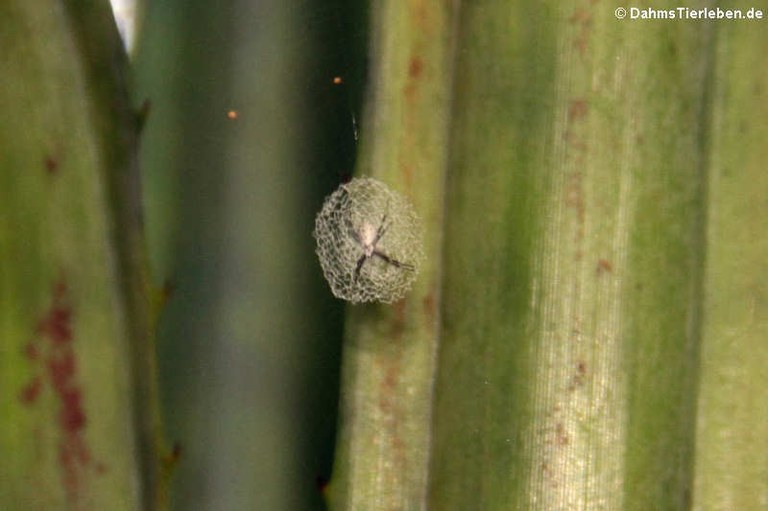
368,242
368,237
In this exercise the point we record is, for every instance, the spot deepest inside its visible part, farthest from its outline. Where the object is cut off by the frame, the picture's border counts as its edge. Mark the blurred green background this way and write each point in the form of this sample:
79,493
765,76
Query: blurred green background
247,133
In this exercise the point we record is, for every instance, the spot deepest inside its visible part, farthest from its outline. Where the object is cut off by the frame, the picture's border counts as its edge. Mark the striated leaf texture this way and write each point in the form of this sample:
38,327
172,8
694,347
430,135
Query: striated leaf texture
600,264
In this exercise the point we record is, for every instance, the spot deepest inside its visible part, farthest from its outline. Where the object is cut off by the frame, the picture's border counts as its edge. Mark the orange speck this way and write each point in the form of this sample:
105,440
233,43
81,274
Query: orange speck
232,114
337,80
603,266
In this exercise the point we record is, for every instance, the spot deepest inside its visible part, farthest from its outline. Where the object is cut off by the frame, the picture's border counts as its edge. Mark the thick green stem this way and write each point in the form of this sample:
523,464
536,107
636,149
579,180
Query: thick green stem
389,355
573,261
75,324
731,456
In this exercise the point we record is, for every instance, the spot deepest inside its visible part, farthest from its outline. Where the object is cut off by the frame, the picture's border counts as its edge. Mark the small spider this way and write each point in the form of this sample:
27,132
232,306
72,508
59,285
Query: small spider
364,220
368,238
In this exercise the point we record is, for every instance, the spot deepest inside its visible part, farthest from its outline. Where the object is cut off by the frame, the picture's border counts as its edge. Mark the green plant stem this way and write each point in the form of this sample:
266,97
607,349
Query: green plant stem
389,352
732,424
79,424
574,261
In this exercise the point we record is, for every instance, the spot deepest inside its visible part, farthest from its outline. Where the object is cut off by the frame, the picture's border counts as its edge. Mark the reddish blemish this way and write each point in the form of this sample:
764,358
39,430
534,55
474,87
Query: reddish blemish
100,468
177,451
578,16
51,164
54,359
391,413
167,292
561,435
31,351
604,266
575,199
577,110
321,482
74,453
579,377
429,309
582,18
73,460
406,170
415,67
31,391
72,415
173,457
57,325
398,320
61,369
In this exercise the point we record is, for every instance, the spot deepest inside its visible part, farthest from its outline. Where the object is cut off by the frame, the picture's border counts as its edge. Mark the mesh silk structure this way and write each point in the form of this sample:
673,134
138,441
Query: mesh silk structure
369,242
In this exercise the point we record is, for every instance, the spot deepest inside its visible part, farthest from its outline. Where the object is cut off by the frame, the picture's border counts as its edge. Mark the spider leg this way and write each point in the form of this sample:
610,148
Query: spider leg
382,230
359,266
351,230
394,262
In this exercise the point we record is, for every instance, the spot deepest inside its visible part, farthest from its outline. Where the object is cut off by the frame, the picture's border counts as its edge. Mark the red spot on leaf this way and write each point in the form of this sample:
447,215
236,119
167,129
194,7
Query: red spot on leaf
430,309
53,355
100,468
31,391
73,459
578,379
415,67
322,482
57,323
176,452
72,415
59,326
398,320
51,164
61,369
577,110
166,293
31,351
582,18
604,266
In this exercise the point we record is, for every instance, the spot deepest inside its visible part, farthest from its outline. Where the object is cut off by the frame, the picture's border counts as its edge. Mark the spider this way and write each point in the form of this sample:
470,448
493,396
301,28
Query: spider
368,238
364,220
